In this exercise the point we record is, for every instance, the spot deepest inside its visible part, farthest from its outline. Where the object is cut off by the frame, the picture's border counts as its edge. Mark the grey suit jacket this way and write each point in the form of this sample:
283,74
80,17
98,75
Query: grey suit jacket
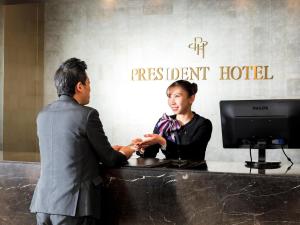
72,143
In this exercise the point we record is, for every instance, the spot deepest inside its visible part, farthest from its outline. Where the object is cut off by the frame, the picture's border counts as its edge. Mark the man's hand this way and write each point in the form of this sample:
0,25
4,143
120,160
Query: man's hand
117,147
127,150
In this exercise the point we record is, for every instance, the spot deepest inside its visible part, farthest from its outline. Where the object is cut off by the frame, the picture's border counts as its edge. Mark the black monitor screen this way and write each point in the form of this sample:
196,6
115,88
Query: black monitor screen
261,123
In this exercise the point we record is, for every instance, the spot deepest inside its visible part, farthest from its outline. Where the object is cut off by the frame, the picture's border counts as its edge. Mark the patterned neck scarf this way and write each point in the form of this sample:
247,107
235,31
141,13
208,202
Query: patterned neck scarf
168,126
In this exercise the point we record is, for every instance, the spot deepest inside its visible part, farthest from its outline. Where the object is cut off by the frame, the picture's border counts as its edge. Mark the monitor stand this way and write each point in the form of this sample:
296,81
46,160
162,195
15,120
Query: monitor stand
262,164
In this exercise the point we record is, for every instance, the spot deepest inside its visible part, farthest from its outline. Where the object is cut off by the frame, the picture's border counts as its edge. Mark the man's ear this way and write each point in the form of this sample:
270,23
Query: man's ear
78,87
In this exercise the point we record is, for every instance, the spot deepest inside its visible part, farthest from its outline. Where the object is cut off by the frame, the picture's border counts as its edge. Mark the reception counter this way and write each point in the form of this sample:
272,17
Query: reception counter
163,192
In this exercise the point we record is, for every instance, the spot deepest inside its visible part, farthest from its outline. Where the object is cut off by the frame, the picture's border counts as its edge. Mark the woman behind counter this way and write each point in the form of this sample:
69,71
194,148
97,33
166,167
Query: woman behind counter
183,135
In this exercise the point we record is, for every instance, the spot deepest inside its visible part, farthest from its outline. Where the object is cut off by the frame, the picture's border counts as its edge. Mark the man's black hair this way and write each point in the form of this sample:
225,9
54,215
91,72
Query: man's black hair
68,75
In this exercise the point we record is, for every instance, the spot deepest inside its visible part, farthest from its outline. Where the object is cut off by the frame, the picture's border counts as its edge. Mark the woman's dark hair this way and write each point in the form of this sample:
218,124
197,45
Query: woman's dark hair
68,75
190,88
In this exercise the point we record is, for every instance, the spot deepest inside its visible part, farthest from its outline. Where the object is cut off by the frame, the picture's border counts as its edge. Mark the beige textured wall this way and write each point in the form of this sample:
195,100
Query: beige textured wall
1,78
23,80
116,36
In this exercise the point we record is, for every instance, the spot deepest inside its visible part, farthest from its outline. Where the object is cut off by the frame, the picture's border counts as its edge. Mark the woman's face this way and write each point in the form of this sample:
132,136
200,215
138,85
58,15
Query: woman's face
179,100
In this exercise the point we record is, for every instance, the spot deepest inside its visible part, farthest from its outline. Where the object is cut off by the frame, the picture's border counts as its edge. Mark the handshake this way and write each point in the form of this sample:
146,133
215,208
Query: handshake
140,144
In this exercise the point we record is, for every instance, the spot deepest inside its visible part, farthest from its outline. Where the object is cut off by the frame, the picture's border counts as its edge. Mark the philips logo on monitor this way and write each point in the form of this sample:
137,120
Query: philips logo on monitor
260,108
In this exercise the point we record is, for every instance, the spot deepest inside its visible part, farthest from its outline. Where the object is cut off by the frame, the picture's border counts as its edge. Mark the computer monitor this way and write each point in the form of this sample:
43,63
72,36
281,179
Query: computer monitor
261,124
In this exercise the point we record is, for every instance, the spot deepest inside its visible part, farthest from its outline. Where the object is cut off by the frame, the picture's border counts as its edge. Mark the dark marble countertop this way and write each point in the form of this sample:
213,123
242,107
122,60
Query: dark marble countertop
210,166
154,191
195,166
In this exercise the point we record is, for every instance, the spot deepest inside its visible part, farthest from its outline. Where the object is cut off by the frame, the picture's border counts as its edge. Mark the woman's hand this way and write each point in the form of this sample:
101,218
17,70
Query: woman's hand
151,139
135,143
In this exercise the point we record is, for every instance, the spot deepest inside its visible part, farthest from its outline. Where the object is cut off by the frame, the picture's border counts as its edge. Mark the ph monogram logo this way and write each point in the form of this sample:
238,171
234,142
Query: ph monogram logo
198,46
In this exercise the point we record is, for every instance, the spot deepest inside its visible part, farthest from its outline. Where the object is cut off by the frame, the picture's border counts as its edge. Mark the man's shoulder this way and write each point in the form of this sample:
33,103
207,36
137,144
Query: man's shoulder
59,106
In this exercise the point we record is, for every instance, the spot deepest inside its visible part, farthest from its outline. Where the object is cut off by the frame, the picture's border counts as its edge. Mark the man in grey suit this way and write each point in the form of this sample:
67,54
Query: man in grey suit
72,146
